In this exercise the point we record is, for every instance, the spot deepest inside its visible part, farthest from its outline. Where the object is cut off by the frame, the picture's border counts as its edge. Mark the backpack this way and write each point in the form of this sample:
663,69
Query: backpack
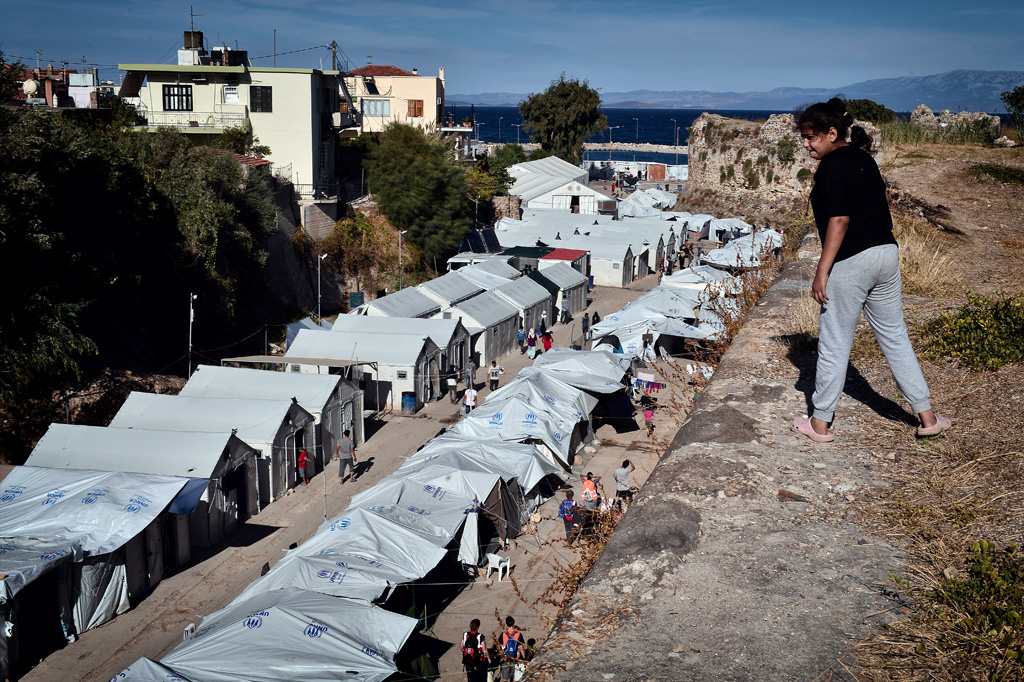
589,491
565,509
471,654
511,647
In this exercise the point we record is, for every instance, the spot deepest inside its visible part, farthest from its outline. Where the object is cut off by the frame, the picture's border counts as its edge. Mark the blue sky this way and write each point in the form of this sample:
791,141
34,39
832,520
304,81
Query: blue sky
521,45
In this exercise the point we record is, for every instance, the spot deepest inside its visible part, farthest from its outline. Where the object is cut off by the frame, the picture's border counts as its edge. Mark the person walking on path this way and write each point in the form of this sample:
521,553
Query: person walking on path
474,653
303,458
531,343
493,372
591,498
521,338
649,420
686,257
859,269
585,324
346,452
469,399
622,489
566,510
547,341
543,321
565,310
470,374
511,648
595,319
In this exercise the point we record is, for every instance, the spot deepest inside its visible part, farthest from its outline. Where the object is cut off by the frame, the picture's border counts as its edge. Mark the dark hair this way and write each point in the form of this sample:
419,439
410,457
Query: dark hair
347,433
474,624
625,463
568,494
820,117
510,621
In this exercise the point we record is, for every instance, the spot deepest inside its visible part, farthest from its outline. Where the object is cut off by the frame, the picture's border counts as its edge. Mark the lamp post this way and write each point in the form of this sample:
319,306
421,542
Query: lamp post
478,124
191,316
675,132
610,129
517,126
319,316
400,233
637,129
499,128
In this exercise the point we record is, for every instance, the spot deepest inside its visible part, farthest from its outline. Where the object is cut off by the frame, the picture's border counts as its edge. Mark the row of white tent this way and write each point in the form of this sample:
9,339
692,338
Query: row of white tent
228,446
320,613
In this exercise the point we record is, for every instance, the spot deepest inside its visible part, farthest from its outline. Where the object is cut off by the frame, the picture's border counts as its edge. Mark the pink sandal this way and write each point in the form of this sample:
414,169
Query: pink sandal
941,424
803,425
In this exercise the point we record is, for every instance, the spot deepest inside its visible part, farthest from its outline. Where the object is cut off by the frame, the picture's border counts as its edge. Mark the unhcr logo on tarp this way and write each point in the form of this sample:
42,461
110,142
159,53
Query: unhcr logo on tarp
530,419
12,492
435,491
418,510
558,437
370,651
495,422
54,495
93,495
341,524
315,629
49,556
137,504
332,577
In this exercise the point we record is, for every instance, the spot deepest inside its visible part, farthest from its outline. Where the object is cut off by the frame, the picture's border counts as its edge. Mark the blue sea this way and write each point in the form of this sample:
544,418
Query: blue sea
654,126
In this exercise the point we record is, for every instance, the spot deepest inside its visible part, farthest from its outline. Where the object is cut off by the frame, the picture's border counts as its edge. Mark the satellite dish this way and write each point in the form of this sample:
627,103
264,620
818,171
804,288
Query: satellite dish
30,87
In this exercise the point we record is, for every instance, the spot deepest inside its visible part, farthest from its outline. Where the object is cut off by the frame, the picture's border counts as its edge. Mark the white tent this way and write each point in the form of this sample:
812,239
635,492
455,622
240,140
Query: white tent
746,252
224,459
305,323
699,277
147,670
292,634
276,429
409,302
335,403
516,420
363,558
75,527
493,322
482,279
670,302
547,393
449,289
631,324
434,512
448,334
600,371
529,298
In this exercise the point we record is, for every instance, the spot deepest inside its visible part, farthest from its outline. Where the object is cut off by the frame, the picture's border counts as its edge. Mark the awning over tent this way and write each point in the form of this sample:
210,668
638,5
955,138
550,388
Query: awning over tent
291,634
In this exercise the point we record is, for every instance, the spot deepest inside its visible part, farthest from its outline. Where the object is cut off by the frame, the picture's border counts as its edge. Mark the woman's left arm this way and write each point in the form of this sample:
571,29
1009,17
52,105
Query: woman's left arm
836,232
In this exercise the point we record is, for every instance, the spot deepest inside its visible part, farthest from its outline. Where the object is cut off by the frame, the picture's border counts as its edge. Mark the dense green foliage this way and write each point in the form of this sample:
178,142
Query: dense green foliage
904,132
1011,175
563,116
984,333
871,111
242,141
103,233
420,189
1014,101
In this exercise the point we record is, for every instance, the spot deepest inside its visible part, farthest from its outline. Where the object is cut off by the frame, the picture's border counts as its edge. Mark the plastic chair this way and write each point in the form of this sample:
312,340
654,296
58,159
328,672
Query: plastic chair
497,563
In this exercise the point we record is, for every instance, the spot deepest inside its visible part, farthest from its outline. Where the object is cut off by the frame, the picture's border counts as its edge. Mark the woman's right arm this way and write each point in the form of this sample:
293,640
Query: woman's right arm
836,232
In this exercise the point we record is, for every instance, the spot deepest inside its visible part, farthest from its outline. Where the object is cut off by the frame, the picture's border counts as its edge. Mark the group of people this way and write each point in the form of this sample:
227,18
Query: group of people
577,517
512,650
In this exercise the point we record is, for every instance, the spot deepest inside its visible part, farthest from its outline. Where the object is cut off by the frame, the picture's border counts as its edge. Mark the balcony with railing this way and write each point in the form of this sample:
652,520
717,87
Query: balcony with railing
195,121
321,191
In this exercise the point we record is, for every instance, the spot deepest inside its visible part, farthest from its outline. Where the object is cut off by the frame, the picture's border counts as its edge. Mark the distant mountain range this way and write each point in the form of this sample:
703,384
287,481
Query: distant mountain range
954,90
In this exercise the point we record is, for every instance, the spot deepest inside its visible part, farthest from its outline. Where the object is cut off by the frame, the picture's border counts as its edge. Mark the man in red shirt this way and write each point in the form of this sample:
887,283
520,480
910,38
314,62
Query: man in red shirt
302,465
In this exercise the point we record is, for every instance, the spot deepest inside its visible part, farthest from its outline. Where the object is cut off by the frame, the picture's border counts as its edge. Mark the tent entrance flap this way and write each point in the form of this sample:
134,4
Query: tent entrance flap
186,501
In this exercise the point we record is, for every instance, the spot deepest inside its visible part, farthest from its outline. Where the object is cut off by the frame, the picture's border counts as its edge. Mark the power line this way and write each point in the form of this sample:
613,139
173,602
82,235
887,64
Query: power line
278,54
59,61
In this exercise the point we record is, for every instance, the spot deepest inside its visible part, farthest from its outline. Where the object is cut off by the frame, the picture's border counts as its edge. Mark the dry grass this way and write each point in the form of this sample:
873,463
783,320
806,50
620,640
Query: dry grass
927,267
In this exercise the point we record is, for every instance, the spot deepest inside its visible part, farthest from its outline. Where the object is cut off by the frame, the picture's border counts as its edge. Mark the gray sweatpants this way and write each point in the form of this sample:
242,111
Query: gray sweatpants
869,281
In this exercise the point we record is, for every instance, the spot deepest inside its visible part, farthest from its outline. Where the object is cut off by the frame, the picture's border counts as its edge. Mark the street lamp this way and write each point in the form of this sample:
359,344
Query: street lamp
675,131
478,124
610,129
400,233
499,128
517,126
637,129
191,316
319,316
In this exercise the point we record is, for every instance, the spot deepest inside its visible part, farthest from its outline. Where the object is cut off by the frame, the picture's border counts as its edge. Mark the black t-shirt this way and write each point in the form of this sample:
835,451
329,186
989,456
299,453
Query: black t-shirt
848,183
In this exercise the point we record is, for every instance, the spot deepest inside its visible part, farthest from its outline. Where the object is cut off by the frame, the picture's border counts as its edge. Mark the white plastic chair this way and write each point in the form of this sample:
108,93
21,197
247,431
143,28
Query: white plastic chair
497,563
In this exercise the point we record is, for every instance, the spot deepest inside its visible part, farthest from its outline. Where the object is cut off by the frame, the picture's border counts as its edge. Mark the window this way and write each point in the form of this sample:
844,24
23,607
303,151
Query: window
230,94
261,98
177,98
402,374
376,107
415,108
615,266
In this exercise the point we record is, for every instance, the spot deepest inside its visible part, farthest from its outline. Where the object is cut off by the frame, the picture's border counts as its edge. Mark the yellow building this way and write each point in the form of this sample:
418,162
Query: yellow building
384,93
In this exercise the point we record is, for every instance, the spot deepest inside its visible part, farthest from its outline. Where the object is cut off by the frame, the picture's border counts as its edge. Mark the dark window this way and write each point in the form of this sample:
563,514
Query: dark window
177,98
261,98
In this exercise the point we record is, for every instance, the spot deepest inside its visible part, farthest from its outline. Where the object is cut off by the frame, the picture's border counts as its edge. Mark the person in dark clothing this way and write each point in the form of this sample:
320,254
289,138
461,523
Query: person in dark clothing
858,271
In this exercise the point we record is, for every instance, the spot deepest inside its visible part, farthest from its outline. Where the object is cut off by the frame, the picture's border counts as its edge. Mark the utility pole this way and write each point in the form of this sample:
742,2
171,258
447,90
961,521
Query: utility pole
191,317
334,55
275,48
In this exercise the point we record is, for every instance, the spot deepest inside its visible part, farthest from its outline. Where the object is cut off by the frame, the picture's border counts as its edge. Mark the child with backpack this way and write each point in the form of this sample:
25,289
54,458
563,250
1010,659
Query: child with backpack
591,498
474,653
512,648
566,511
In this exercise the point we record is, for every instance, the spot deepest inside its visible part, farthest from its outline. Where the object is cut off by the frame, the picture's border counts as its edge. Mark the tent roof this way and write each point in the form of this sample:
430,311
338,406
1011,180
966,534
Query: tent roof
564,275
312,391
550,166
486,310
614,250
434,512
306,323
441,331
540,279
484,280
517,420
451,287
565,254
495,266
407,302
256,421
524,462
88,512
384,349
528,251
145,451
292,634
523,292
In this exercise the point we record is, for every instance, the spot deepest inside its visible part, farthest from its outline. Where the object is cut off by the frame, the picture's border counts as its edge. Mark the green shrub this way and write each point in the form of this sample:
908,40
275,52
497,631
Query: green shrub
1010,175
786,151
730,172
762,160
804,174
747,165
769,176
984,333
868,110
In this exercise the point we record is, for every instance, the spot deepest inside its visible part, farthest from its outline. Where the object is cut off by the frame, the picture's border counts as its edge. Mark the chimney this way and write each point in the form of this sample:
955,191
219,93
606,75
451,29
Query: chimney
415,71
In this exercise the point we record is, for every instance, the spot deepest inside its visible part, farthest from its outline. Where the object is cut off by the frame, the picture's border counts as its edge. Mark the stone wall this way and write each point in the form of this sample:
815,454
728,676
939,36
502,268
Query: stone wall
926,118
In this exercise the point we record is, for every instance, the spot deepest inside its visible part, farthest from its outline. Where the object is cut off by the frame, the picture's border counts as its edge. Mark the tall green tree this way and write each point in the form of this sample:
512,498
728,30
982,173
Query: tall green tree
420,189
871,111
563,116
1014,101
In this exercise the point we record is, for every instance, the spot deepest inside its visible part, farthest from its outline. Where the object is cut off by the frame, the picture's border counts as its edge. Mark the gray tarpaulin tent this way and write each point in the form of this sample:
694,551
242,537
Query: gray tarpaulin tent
292,330
549,394
516,420
292,634
362,558
631,324
409,302
449,335
525,462
449,289
276,429
224,459
579,367
744,253
432,511
79,523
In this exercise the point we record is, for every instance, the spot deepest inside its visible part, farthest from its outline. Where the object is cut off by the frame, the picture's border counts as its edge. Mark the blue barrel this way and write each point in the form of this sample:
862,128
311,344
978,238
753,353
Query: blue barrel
591,281
408,402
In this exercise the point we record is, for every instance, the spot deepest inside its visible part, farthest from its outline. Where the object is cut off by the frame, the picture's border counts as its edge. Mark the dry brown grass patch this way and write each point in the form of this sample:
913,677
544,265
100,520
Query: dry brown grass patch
926,266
